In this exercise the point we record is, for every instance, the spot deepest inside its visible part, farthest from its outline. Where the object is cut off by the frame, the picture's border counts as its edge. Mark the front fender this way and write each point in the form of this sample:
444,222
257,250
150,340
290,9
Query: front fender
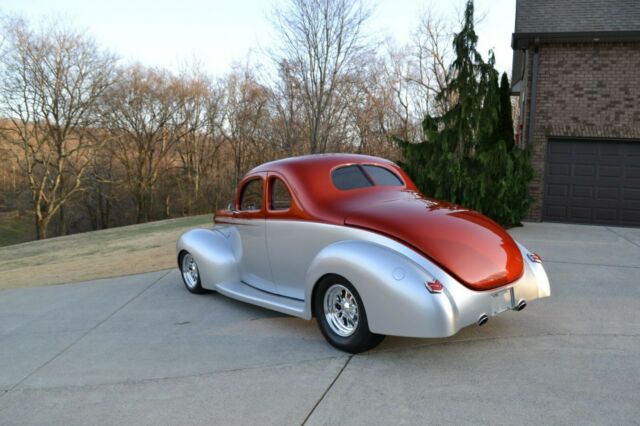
391,287
214,254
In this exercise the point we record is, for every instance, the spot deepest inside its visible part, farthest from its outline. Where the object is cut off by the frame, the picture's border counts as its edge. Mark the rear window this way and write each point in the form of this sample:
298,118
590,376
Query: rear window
382,176
350,177
362,176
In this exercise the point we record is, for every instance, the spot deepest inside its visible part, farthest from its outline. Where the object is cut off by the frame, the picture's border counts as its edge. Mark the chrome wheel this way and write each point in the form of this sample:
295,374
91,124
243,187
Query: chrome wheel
190,271
341,310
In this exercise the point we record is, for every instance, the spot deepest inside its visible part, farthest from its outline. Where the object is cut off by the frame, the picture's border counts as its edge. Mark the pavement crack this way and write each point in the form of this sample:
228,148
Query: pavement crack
83,335
623,237
335,379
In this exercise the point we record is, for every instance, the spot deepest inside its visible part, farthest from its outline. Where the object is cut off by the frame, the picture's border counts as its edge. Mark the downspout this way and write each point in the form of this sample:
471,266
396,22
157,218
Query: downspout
534,84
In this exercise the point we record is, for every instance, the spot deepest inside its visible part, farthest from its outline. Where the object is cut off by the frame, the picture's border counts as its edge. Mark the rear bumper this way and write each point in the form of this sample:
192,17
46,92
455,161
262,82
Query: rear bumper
444,314
471,305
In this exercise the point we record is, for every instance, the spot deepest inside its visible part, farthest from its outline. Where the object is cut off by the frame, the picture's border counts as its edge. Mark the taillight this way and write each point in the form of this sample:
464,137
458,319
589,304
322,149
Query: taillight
534,257
434,286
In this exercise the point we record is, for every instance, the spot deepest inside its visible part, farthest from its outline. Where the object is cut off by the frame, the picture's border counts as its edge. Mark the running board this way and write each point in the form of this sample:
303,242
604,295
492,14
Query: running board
246,293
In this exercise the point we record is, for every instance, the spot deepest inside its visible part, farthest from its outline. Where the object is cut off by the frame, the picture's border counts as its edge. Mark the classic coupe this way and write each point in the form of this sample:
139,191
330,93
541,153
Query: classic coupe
349,240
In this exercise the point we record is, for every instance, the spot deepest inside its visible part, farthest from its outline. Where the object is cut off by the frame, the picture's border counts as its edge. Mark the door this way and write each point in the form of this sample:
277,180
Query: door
592,181
284,240
249,217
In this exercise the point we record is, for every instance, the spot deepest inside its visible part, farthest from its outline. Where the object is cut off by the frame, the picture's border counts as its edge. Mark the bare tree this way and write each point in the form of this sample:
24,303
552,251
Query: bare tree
245,118
50,84
287,112
138,114
372,110
430,64
322,42
196,121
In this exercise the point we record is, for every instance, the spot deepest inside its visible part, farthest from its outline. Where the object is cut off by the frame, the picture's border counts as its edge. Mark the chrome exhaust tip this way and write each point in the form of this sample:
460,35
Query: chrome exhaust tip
482,320
521,305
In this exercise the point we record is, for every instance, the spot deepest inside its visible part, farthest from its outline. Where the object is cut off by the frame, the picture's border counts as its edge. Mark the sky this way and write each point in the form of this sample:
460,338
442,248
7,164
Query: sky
217,33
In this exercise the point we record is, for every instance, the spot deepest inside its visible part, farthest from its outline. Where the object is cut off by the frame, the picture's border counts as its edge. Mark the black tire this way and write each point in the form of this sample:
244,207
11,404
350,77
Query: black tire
357,340
194,285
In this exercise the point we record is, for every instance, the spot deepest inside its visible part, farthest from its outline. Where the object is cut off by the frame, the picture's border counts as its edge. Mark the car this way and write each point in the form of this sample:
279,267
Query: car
350,240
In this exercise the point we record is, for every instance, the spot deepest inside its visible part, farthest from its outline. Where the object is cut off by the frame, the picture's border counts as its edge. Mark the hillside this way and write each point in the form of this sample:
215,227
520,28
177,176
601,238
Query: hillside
101,254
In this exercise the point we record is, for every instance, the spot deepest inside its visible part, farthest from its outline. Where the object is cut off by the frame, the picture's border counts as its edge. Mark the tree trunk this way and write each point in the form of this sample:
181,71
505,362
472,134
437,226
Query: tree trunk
62,223
167,206
42,226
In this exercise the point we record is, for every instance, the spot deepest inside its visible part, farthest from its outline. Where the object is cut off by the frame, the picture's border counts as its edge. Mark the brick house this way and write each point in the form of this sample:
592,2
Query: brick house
576,69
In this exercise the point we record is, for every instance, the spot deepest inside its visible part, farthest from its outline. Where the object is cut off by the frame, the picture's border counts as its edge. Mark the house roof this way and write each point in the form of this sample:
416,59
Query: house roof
560,16
575,20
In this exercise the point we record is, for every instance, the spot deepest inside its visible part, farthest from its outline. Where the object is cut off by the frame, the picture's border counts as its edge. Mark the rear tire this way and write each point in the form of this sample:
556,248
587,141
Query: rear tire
342,317
190,273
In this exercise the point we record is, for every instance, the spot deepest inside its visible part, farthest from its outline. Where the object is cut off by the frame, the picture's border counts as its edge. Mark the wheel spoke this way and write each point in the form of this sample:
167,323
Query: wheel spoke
190,271
341,310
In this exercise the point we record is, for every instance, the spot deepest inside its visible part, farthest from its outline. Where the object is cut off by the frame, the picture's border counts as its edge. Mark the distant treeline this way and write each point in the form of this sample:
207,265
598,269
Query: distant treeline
90,142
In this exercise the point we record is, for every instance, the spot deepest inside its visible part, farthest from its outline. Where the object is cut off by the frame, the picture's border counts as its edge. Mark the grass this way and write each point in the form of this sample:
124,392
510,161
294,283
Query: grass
16,230
91,255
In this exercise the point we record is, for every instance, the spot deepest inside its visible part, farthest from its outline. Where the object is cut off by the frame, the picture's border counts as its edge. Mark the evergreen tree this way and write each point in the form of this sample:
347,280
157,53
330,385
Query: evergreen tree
468,156
506,118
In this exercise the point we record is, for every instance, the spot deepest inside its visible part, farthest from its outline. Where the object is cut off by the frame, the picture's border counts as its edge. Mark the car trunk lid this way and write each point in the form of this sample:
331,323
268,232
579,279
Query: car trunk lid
469,246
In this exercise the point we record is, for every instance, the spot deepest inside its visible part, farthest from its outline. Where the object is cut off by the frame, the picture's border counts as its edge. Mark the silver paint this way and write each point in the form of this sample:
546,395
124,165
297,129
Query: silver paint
299,253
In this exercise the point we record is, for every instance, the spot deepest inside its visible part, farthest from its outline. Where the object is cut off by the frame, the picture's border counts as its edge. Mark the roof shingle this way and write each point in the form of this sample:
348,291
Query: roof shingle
564,16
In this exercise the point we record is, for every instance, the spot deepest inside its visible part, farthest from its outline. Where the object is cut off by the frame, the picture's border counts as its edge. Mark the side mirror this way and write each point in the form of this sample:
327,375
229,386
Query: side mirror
232,208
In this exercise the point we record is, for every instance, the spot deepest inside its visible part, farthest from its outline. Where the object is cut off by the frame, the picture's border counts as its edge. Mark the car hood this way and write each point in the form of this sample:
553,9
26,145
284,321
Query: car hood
471,247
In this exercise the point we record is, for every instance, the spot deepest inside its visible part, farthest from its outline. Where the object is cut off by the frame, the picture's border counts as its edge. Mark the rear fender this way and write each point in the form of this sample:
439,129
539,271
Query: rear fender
390,285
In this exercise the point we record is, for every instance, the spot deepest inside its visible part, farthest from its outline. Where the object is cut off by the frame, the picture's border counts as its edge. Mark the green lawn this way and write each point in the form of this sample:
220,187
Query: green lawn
100,254
17,230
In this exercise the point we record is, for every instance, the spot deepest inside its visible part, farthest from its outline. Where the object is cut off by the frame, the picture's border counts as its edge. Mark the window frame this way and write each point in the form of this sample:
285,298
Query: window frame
270,183
245,184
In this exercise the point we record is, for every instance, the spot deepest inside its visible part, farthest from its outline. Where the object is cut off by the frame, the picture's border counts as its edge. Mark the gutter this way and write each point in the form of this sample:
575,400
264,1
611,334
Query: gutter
521,40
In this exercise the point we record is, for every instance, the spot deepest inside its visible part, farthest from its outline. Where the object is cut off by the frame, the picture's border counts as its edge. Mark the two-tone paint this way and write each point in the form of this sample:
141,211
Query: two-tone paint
387,241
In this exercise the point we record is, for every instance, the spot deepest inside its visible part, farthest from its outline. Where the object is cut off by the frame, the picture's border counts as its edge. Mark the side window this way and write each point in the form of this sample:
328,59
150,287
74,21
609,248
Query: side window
382,176
251,198
349,177
280,197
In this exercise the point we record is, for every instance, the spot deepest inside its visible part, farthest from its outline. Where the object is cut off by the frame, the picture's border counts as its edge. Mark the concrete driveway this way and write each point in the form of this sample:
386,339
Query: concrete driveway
142,350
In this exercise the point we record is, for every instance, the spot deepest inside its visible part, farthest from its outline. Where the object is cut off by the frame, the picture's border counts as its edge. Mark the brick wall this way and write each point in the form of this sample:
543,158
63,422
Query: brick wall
589,90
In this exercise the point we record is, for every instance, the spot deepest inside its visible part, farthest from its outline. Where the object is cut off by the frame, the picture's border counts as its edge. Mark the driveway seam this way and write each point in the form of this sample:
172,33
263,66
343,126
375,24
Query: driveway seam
286,364
83,335
335,379
590,264
623,237
490,338
185,376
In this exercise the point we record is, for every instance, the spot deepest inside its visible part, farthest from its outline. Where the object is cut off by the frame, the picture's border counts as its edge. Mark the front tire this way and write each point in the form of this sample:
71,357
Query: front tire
342,317
190,273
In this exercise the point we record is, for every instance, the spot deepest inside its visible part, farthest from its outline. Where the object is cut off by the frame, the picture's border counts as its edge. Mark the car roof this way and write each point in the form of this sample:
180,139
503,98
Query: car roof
310,179
323,161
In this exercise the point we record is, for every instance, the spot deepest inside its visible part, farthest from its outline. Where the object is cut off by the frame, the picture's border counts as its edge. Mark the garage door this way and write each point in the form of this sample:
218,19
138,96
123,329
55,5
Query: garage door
592,182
